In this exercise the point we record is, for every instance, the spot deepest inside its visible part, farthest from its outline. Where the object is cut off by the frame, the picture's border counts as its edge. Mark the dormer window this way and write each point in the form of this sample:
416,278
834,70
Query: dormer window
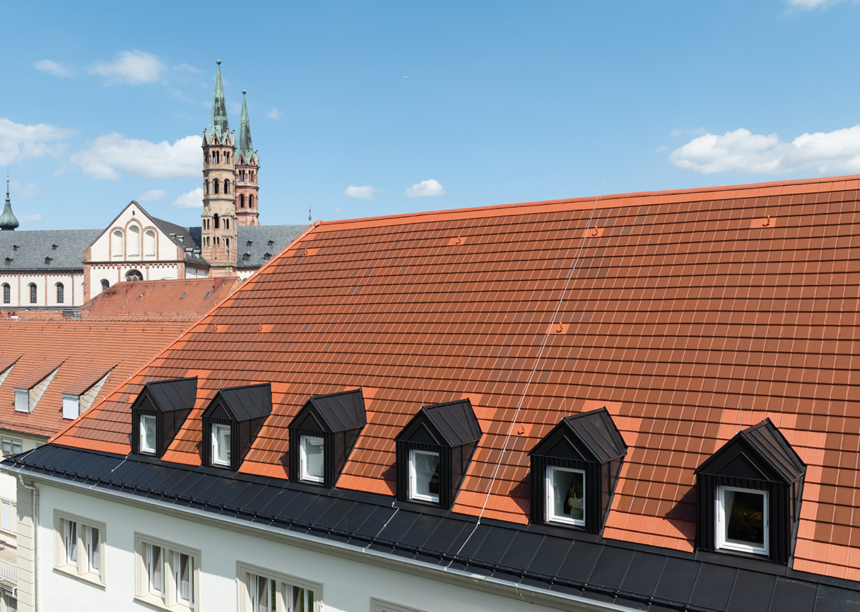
748,495
323,434
231,423
575,469
434,451
158,413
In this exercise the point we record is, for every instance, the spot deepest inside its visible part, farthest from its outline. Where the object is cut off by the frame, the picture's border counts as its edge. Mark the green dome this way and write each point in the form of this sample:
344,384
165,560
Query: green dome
8,220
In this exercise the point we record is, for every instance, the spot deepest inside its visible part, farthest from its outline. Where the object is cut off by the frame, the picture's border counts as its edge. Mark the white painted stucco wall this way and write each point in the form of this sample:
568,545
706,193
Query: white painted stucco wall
46,288
349,582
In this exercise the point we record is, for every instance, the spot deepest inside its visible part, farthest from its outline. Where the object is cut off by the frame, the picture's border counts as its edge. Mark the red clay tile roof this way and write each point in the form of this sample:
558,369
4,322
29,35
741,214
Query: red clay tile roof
686,306
84,351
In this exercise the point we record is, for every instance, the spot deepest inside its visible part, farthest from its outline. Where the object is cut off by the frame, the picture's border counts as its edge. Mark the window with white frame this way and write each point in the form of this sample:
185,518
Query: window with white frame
11,447
9,516
313,459
424,476
220,444
742,521
167,574
79,546
565,495
263,590
147,433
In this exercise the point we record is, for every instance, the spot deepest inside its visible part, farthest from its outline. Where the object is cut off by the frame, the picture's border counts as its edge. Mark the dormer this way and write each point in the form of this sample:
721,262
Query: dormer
434,451
323,434
575,469
30,389
748,495
231,423
158,413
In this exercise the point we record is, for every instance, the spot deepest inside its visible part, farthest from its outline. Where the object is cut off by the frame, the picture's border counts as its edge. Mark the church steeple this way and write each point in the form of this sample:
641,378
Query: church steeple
243,141
247,171
218,119
8,220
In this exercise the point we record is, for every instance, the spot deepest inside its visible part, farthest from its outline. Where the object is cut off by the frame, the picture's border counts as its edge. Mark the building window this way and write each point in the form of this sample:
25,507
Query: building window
133,275
167,574
133,240
424,476
149,244
147,433
206,186
226,186
216,185
105,284
250,201
263,590
742,520
10,516
60,293
565,491
116,244
7,293
11,447
33,293
242,201
79,547
312,459
220,444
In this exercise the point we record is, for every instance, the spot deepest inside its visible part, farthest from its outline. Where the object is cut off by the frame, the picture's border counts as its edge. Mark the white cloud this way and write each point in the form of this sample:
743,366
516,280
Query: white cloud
183,67
362,193
30,190
192,199
662,148
19,141
112,152
134,67
425,189
53,68
676,133
153,195
27,219
836,152
276,114
809,4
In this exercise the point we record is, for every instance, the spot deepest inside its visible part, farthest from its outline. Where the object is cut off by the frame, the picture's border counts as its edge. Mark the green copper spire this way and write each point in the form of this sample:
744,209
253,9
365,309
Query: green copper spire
8,221
218,119
246,145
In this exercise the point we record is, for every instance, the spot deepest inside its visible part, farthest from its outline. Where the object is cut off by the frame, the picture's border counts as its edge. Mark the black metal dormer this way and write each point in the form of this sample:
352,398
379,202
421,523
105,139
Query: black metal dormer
168,402
756,459
449,430
589,445
240,412
330,425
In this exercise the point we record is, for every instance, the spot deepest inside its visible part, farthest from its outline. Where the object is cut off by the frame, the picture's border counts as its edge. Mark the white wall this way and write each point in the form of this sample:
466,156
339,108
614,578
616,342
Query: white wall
46,288
348,584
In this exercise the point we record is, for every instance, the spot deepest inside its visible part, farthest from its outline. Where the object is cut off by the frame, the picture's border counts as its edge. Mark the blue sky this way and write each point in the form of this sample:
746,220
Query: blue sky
410,106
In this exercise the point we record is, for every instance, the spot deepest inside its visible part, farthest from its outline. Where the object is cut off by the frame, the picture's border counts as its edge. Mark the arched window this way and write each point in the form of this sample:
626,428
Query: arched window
7,293
33,293
217,224
116,240
215,156
105,284
227,223
60,293
215,183
133,240
149,243
227,243
252,175
226,186
226,158
133,275
206,186
250,201
242,201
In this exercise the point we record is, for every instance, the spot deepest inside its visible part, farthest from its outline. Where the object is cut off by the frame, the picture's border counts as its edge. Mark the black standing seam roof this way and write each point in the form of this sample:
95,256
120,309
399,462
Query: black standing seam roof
247,402
596,431
341,411
550,559
175,394
456,421
771,445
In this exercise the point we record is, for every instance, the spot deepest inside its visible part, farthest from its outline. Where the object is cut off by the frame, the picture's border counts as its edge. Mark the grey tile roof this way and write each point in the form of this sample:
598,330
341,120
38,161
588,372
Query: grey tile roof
35,245
259,237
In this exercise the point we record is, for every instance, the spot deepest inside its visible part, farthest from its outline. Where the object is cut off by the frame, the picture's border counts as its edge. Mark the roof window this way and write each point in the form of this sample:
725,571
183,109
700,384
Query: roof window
28,395
323,434
748,495
231,423
434,451
575,469
159,412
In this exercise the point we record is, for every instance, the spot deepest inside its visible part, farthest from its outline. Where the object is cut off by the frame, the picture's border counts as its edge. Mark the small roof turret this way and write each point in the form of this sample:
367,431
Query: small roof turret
218,124
245,144
8,220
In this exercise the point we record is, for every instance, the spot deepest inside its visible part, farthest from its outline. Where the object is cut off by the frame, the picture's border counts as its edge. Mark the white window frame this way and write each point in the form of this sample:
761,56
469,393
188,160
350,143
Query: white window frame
303,441
282,582
11,443
148,418
550,501
721,525
216,446
80,566
13,516
169,597
379,605
413,477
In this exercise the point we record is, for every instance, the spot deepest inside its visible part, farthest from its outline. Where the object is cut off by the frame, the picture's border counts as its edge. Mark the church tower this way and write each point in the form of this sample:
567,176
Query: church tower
247,171
218,220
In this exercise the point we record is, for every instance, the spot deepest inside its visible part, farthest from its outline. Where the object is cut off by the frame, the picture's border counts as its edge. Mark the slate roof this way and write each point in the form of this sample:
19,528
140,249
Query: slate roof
35,245
259,236
598,434
684,307
248,402
84,351
455,421
172,395
342,411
